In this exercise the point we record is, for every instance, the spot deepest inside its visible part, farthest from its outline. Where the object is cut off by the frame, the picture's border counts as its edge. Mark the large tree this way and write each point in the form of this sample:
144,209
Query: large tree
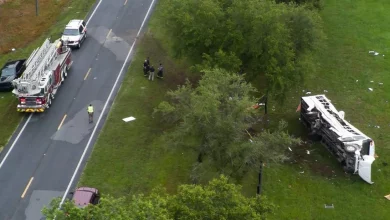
213,119
265,39
217,200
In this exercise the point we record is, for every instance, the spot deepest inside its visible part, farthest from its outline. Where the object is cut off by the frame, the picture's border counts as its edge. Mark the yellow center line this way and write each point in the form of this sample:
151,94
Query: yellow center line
63,119
28,185
125,2
86,75
109,33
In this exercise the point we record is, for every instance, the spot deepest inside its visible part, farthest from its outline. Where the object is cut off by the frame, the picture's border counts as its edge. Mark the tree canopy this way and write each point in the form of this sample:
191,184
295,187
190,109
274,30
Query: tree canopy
260,37
213,119
217,200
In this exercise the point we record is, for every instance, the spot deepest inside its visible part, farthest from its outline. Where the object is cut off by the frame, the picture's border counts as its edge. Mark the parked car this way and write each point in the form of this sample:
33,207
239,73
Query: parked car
10,71
84,196
75,33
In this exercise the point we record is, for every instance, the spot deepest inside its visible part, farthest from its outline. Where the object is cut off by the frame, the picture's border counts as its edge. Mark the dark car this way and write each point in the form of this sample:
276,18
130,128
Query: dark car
84,196
10,71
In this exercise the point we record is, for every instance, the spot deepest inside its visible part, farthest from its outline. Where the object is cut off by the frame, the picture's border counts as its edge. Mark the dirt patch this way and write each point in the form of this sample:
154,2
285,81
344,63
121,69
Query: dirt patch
3,1
19,24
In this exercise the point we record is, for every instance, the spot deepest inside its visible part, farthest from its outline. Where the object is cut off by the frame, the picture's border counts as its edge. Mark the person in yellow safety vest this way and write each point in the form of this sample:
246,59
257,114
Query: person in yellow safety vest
90,113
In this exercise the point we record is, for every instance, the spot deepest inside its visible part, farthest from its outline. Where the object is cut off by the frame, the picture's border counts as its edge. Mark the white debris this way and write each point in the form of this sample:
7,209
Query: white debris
357,80
376,54
13,49
251,140
371,51
289,148
128,119
380,83
371,81
307,151
371,89
308,93
302,172
325,90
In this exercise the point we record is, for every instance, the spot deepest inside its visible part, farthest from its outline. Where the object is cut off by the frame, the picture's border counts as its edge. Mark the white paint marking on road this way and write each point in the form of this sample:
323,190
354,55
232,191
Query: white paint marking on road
97,6
125,2
28,119
16,140
104,108
28,185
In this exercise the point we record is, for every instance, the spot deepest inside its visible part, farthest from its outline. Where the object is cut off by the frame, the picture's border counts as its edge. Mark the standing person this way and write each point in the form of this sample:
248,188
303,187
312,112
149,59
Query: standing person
90,113
160,71
151,74
146,67
147,62
146,70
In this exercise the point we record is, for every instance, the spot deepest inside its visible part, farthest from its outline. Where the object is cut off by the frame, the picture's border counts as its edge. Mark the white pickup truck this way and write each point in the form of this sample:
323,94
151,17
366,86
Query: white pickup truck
354,150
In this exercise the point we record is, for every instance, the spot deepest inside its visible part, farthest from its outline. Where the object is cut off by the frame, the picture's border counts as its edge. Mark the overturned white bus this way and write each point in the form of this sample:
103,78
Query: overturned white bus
354,150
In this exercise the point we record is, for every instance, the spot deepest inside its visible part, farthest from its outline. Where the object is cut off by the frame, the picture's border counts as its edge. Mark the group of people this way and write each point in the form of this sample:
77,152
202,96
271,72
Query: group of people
149,70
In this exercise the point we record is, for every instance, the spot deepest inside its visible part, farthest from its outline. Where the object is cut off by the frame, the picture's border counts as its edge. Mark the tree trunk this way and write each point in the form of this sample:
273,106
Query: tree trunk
200,157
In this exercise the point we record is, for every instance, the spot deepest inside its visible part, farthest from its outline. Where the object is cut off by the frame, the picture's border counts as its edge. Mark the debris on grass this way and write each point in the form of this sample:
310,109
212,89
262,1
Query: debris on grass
307,151
387,197
371,81
329,206
371,89
308,93
357,80
373,52
302,172
380,83
289,148
325,90
128,119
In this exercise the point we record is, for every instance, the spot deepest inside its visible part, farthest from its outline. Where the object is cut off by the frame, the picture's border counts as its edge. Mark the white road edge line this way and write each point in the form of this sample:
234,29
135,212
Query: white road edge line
28,120
16,140
97,6
105,106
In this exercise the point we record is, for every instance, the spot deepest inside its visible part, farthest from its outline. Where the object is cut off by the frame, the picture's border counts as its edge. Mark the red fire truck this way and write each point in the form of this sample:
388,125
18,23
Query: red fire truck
46,69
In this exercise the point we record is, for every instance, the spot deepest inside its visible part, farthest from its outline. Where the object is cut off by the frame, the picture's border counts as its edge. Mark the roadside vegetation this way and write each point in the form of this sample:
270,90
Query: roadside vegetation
218,199
22,30
135,157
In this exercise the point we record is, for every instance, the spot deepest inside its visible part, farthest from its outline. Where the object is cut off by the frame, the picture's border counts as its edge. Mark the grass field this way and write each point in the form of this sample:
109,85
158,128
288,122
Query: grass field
133,157
22,30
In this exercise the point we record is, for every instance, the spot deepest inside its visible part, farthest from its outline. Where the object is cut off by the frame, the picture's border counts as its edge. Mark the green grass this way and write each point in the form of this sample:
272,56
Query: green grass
8,116
133,157
353,28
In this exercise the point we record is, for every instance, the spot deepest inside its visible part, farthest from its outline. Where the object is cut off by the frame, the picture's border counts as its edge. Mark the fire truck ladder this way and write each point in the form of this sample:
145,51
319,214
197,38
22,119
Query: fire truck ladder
326,105
39,61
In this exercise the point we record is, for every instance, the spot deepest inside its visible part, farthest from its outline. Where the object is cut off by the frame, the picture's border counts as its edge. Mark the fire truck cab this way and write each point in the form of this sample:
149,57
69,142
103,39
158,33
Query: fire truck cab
46,69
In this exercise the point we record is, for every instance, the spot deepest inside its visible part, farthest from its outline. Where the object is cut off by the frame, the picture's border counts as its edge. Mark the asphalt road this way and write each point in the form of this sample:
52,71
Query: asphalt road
44,157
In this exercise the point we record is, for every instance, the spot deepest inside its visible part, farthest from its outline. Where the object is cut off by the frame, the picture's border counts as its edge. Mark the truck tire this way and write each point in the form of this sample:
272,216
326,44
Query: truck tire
350,149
